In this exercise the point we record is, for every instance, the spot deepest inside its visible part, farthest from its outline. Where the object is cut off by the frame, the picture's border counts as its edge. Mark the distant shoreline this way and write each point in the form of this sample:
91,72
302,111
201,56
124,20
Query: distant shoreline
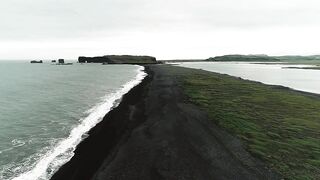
310,68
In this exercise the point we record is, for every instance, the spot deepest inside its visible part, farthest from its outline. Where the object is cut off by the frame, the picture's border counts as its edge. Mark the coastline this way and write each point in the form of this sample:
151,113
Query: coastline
89,153
62,151
273,86
155,133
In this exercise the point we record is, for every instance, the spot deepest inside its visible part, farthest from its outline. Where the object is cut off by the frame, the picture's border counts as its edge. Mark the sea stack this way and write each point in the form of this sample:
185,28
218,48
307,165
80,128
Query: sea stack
61,61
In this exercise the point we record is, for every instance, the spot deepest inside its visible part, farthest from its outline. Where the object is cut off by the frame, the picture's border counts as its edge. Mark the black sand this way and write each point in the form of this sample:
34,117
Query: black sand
155,133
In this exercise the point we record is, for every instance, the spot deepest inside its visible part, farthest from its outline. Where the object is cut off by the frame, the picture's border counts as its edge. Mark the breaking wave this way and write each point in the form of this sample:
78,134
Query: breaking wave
63,151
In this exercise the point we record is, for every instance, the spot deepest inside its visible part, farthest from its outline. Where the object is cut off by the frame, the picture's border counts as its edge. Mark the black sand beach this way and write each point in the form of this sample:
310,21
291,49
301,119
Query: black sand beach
156,133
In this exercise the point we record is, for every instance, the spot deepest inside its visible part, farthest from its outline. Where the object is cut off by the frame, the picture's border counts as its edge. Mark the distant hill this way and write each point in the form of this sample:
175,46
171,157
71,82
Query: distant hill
182,60
298,58
265,58
117,59
237,57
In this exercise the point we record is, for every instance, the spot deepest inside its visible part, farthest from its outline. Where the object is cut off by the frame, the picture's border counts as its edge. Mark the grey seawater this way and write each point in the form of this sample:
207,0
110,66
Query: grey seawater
307,80
46,110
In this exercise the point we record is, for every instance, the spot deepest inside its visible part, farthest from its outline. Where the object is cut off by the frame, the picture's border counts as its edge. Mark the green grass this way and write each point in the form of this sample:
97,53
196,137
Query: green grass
279,126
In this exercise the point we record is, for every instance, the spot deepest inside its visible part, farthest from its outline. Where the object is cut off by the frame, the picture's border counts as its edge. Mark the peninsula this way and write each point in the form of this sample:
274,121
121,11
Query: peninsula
117,59
181,123
158,133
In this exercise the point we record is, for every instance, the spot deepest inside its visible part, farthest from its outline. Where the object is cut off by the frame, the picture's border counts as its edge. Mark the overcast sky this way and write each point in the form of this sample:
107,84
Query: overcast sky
167,29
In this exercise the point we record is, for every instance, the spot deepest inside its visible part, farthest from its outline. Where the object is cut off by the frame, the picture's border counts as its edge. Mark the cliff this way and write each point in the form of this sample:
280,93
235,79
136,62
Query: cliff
116,59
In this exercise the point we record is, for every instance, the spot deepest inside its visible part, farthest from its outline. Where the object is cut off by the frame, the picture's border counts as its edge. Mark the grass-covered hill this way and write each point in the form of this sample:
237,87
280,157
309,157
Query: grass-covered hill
118,59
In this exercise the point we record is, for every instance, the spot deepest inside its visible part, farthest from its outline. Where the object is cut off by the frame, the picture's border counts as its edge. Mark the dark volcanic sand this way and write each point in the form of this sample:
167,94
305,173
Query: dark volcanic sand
155,133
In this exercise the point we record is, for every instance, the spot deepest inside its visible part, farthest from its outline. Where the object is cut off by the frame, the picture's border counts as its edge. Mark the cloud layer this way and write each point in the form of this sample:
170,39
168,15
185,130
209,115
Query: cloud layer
121,26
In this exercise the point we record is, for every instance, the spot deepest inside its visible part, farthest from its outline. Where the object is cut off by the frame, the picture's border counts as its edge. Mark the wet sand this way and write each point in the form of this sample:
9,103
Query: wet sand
156,133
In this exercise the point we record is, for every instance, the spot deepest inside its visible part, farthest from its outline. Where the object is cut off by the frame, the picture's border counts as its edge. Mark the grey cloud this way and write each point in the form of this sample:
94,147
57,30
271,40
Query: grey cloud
38,19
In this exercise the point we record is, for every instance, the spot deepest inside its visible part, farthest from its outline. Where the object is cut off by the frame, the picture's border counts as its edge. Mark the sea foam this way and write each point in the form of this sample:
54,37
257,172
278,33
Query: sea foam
64,150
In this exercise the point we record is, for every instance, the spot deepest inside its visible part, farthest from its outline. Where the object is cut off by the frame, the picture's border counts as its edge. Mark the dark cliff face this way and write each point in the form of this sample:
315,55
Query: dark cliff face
115,59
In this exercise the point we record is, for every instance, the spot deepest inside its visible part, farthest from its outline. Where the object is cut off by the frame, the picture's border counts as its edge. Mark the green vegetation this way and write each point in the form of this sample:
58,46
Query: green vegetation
278,125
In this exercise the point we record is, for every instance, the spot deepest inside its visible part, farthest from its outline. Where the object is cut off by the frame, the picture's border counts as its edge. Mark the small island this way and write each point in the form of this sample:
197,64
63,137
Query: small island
36,62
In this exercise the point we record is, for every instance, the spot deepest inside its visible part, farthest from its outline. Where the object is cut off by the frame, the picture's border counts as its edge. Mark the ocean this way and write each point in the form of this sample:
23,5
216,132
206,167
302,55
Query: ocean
46,110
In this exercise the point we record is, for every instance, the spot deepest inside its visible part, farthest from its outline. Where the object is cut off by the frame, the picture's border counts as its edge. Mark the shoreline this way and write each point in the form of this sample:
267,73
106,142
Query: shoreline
274,86
62,151
312,91
155,133
98,140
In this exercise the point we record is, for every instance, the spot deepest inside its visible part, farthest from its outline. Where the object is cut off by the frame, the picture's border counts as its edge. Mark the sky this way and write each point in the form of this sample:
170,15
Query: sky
166,29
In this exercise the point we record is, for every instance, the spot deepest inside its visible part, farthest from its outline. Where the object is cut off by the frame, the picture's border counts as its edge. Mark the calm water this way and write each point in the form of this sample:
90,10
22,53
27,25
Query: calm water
274,74
45,111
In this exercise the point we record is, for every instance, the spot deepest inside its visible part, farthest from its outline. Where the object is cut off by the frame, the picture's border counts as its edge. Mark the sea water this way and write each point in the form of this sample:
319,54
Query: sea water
307,80
46,110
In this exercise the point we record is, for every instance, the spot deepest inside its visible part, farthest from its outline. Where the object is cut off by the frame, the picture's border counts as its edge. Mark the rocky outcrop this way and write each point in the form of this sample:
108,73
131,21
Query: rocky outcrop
61,61
34,61
116,59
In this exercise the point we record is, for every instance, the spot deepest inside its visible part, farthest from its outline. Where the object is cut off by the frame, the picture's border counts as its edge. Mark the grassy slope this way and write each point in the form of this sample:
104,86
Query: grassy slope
278,125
